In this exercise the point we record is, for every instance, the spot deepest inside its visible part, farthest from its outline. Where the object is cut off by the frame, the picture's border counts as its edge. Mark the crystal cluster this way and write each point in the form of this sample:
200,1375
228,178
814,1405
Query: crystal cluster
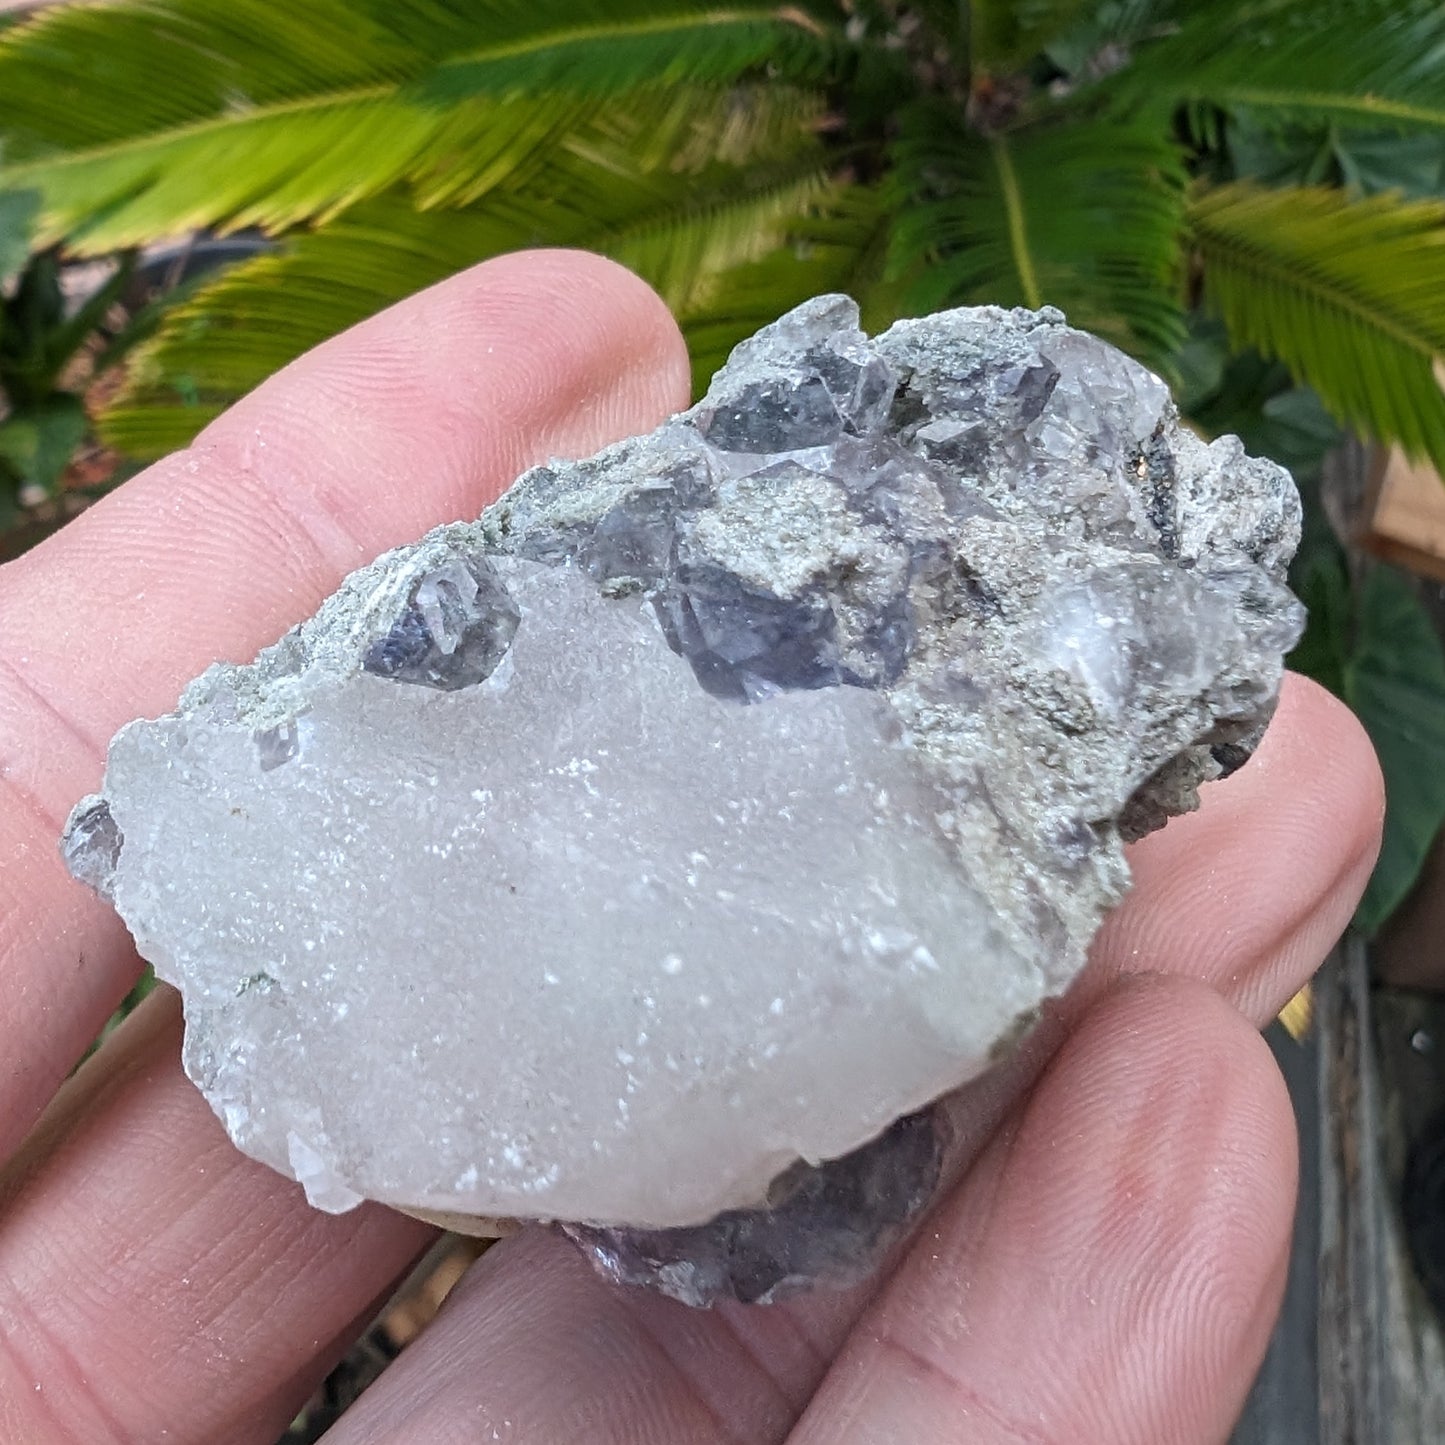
652,853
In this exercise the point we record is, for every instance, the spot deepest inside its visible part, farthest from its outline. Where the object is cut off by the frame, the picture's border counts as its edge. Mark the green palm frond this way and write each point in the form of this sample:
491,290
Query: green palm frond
839,244
223,58
1084,217
275,115
277,170
605,58
236,331
657,141
1359,62
609,185
1350,295
682,247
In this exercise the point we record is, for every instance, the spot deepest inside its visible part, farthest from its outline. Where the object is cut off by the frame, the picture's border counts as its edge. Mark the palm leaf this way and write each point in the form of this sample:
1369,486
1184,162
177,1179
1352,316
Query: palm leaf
606,57
610,184
684,246
276,170
1360,62
658,135
81,77
269,117
1350,295
1082,216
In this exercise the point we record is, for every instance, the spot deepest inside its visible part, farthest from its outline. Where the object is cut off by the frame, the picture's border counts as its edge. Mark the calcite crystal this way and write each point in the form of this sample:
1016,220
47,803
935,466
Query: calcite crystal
652,853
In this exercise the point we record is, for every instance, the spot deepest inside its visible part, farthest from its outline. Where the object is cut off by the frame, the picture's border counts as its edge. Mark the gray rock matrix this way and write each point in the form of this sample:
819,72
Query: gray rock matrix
651,853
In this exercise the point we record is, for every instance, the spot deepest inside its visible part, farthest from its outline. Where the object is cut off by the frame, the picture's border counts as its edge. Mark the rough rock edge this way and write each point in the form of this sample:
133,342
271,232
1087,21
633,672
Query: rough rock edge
331,645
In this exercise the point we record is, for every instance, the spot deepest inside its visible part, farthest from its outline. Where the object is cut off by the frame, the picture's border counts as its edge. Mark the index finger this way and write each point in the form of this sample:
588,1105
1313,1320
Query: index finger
417,417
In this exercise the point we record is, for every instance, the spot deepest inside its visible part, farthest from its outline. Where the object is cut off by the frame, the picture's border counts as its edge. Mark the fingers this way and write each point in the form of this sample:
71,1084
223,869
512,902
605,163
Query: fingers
157,1285
537,1349
535,1346
1111,1269
167,1286
416,417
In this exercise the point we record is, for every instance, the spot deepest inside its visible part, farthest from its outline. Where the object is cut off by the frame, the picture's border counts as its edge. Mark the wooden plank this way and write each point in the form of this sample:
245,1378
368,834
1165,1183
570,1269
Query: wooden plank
1351,1337
1322,1382
1283,1408
1358,1357
1405,514
1410,1049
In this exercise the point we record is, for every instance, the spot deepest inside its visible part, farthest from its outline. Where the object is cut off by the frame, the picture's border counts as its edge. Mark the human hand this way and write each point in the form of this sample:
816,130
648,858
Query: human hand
1108,1269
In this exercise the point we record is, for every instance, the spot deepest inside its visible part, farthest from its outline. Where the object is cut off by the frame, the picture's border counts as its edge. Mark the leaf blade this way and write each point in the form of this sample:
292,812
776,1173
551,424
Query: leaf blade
1076,210
1361,62
1348,294
237,145
698,46
640,182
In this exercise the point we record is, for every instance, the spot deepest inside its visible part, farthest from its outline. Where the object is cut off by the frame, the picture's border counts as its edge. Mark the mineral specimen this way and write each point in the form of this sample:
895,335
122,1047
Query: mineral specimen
651,853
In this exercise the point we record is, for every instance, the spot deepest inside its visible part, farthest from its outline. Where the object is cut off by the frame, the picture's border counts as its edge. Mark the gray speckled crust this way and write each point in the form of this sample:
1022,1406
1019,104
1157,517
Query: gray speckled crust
712,802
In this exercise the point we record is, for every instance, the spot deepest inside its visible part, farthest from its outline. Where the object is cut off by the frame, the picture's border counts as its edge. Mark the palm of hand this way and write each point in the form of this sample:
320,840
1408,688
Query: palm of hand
1107,1270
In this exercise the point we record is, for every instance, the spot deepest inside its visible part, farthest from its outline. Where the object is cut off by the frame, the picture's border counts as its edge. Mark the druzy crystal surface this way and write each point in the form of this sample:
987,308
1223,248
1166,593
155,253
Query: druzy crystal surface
650,854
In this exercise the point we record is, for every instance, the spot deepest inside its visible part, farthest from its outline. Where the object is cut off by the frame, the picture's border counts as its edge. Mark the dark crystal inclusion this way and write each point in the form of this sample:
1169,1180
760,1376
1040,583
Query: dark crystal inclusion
636,540
776,416
92,846
278,745
825,1224
742,642
456,626
746,645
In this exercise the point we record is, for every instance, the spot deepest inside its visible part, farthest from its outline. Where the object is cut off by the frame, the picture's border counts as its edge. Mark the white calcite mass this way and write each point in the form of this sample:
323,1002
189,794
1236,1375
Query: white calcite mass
650,854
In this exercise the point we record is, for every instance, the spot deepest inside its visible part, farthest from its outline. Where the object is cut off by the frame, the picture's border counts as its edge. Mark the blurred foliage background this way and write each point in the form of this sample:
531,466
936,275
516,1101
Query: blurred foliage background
1248,195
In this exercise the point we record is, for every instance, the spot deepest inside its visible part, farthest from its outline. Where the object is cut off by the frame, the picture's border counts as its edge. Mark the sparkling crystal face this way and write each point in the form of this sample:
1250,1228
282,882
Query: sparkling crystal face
681,829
